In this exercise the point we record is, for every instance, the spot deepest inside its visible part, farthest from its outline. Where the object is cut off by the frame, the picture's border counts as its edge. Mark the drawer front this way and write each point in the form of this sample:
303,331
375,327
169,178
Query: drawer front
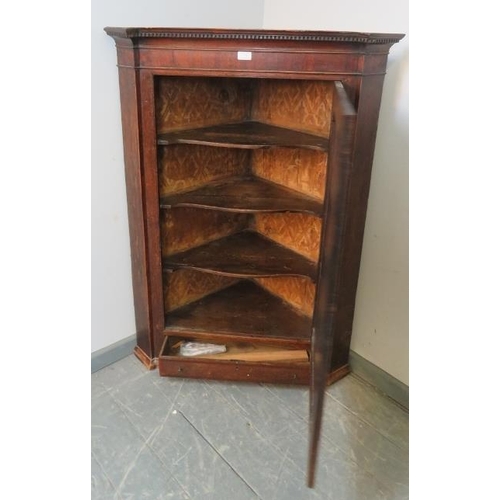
171,365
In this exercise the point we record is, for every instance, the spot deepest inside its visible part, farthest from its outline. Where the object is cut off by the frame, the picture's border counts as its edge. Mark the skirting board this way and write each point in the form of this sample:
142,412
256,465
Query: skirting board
360,367
112,353
380,379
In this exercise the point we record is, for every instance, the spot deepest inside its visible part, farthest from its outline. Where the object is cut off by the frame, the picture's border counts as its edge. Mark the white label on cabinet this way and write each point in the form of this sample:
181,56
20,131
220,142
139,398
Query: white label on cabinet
244,56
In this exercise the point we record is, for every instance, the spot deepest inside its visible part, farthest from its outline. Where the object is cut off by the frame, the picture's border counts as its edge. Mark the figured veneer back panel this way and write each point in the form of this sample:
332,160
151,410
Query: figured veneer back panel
302,170
296,291
190,102
186,285
185,167
296,231
185,228
299,104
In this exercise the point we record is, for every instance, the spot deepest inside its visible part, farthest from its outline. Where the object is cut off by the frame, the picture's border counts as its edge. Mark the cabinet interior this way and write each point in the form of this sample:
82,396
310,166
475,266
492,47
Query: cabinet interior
241,169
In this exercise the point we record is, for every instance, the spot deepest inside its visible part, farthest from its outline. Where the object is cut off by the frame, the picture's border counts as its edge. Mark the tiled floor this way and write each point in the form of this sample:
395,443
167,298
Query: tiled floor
165,438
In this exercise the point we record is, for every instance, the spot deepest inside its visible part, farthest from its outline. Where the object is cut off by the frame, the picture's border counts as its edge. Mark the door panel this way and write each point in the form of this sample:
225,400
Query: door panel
323,332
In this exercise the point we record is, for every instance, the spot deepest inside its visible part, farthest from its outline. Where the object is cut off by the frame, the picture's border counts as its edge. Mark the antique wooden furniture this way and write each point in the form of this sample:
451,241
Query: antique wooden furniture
248,157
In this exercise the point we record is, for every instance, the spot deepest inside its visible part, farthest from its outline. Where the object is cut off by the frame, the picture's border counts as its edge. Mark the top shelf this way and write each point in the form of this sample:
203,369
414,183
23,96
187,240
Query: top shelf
245,135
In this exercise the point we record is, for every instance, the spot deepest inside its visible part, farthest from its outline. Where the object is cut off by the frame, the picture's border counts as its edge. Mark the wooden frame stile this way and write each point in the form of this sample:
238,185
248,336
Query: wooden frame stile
128,74
152,208
326,309
368,94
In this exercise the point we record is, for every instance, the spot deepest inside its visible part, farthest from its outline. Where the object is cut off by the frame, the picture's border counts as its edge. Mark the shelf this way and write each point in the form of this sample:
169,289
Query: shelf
244,254
244,310
245,195
248,135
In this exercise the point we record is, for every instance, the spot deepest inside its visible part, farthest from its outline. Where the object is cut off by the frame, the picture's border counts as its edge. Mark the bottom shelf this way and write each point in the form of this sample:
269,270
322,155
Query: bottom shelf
243,310
243,361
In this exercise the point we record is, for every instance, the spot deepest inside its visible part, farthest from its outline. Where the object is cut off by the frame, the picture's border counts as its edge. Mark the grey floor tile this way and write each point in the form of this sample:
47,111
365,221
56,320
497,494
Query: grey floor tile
343,479
373,407
171,438
97,389
144,404
296,398
357,447
365,445
291,484
248,452
195,464
338,475
101,487
382,465
125,458
170,386
175,491
121,372
264,411
269,469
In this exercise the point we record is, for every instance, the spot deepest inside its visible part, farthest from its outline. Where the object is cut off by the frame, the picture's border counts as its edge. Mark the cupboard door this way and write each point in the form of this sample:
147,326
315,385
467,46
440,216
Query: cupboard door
328,285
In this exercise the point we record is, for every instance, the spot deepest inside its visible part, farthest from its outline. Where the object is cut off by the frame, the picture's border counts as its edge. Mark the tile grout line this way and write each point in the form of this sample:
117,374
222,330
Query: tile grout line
280,471
180,485
217,452
132,465
115,492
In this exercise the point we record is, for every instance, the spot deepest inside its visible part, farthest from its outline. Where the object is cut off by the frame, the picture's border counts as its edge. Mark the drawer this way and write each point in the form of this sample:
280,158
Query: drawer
243,361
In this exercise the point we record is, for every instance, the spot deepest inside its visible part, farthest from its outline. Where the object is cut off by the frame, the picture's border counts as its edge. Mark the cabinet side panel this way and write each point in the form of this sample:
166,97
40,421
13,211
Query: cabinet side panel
134,181
370,92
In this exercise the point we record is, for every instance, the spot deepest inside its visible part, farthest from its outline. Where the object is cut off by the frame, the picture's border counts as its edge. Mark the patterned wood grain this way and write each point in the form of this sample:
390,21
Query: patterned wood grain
299,232
185,228
298,104
185,167
244,195
186,102
185,286
243,310
246,135
299,169
296,291
244,254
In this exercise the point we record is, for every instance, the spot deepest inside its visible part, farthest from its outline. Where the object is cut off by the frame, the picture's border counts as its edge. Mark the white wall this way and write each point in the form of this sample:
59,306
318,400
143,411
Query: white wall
380,332
112,301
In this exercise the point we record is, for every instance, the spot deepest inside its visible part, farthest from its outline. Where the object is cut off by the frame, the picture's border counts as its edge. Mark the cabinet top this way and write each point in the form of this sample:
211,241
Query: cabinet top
257,34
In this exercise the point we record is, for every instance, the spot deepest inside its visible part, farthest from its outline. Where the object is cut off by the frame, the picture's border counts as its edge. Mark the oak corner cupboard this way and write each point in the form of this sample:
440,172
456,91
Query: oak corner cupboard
248,156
